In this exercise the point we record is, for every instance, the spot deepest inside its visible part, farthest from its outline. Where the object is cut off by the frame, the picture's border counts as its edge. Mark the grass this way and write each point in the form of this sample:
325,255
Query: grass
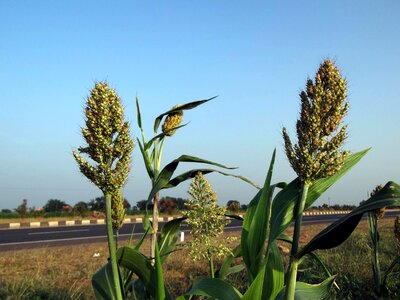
65,272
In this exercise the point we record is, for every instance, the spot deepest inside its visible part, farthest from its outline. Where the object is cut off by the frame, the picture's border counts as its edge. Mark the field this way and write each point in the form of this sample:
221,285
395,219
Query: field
65,272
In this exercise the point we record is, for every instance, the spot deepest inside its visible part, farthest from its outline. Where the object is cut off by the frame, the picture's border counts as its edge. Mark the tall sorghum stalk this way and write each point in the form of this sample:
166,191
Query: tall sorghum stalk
109,146
318,152
171,122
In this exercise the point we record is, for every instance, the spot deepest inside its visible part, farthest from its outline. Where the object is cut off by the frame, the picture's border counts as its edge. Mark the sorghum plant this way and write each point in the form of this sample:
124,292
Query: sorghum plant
152,153
318,153
207,221
109,147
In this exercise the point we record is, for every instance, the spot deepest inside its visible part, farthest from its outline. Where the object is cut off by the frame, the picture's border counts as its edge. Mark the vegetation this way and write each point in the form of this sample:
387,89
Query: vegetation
269,259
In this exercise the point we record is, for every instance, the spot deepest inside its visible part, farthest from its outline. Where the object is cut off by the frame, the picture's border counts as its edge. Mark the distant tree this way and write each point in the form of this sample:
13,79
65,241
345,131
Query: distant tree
141,205
23,208
97,204
233,205
244,207
6,211
54,205
127,205
81,208
168,205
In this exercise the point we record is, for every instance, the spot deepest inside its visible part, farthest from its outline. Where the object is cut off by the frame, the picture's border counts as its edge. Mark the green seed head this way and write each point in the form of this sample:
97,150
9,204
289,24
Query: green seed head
117,210
173,120
109,145
206,220
318,152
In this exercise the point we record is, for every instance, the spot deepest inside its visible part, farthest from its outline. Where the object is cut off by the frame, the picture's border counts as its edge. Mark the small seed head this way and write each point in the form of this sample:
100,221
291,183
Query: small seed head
173,120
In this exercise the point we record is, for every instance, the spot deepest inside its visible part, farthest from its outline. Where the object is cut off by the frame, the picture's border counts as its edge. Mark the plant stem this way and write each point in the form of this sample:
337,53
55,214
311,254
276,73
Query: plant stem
155,225
211,261
377,269
294,262
111,248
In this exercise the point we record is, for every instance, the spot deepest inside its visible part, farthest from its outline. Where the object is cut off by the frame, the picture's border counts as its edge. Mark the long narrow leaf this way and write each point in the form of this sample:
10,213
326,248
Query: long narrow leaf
255,225
336,233
146,159
166,173
168,237
186,106
274,278
192,173
139,116
160,289
284,201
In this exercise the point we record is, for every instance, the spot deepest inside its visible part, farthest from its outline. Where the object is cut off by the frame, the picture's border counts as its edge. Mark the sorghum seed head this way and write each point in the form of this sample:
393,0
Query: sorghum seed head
318,152
173,120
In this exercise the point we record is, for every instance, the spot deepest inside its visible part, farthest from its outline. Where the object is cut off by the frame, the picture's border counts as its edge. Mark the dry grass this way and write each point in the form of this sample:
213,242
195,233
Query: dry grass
65,272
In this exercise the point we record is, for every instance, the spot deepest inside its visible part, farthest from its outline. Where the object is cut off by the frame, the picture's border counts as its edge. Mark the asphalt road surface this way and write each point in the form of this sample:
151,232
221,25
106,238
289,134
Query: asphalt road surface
12,239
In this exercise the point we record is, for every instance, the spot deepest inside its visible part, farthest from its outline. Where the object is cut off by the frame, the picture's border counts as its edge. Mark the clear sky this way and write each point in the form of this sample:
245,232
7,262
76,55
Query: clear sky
256,55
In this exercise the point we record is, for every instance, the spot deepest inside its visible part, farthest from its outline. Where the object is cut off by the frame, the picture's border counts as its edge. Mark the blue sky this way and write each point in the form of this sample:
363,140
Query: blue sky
256,55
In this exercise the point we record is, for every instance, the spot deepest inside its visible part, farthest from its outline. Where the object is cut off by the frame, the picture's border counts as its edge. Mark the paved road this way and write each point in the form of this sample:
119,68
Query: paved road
11,239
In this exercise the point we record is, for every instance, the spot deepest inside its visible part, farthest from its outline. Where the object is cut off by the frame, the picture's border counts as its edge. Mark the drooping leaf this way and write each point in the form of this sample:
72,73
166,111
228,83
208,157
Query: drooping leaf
103,283
305,291
318,260
192,173
336,233
166,173
213,287
284,201
168,237
186,106
255,225
236,217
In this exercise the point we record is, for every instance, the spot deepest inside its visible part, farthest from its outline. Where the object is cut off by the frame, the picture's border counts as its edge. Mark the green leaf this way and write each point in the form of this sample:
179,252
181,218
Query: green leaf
389,270
103,283
168,237
305,291
215,288
136,262
274,278
255,225
166,173
140,242
226,269
270,280
316,258
139,116
160,288
186,106
284,201
192,173
147,160
336,233
161,136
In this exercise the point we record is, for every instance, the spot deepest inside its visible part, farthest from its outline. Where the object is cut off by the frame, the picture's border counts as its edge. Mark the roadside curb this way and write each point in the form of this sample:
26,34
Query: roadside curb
126,220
